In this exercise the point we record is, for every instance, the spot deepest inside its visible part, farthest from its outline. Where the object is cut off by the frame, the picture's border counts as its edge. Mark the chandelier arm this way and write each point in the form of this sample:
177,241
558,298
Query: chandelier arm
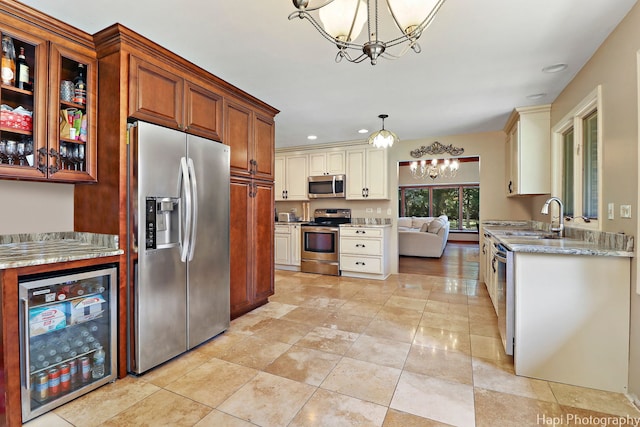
311,9
341,44
417,31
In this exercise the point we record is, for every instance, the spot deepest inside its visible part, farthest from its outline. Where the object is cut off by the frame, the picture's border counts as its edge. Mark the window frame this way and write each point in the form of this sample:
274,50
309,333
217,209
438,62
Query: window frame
575,119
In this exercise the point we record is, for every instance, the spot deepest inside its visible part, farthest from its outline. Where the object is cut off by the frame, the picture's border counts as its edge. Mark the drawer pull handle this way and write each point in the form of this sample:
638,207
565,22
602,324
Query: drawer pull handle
359,245
359,263
361,232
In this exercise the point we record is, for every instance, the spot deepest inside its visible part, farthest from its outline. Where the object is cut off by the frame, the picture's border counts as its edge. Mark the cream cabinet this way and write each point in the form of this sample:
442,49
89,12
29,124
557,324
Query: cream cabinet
291,172
528,165
363,251
367,174
287,246
326,163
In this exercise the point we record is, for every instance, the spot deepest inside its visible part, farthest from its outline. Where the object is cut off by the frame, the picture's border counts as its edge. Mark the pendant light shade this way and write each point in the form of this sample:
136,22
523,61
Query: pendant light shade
344,19
383,138
409,14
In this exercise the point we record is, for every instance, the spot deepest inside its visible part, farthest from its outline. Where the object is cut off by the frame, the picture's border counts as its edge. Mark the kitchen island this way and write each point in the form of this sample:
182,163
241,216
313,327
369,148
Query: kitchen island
570,300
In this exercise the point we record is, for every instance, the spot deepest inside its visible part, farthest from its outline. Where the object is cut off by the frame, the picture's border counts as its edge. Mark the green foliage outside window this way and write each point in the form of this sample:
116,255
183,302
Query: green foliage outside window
461,204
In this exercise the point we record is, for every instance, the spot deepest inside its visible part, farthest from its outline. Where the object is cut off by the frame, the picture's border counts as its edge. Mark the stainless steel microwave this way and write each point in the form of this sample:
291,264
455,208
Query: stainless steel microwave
325,186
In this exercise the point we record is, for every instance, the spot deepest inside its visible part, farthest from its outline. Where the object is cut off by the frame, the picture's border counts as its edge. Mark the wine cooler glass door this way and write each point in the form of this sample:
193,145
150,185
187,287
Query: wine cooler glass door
67,336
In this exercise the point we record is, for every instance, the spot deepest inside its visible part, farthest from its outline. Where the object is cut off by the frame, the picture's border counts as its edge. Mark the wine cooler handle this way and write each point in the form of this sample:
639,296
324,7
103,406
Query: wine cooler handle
25,343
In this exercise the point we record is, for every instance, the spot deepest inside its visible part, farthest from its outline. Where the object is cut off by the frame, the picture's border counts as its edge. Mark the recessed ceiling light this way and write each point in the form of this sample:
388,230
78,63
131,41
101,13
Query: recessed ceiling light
555,68
536,95
312,137
363,131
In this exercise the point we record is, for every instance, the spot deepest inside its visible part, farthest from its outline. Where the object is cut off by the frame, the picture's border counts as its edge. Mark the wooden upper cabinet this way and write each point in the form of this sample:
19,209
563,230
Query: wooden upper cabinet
160,96
155,94
251,138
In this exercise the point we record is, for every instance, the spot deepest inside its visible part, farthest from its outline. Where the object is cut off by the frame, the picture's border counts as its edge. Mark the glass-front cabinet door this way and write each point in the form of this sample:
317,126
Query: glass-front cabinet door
48,113
23,106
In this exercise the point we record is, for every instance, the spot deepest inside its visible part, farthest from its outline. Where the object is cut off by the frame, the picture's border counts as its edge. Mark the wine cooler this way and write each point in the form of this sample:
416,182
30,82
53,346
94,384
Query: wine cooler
67,336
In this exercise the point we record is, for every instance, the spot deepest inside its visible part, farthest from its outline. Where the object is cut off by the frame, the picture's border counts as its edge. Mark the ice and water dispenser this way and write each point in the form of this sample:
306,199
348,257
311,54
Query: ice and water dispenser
162,222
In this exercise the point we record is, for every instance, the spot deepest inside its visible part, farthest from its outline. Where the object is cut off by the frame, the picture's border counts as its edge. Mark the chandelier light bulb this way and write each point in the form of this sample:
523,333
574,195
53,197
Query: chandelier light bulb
344,19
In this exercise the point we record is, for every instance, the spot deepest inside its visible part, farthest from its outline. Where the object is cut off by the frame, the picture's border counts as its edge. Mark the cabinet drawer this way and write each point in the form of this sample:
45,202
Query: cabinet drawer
361,232
355,245
361,264
282,229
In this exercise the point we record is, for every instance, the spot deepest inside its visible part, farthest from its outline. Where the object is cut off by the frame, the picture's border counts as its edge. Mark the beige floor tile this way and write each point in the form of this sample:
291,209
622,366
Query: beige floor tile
326,408
219,345
380,351
248,323
499,376
448,321
268,400
329,340
444,401
105,402
402,419
175,368
594,400
391,330
399,315
484,328
162,408
453,298
406,302
304,364
482,313
506,410
346,322
308,315
212,382
363,380
220,419
488,348
447,365
324,303
360,308
274,309
447,308
443,339
284,331
413,292
254,352
371,298
50,419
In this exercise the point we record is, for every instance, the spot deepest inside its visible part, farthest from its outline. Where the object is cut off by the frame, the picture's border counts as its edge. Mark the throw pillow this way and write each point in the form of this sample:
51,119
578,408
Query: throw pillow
404,221
436,225
418,221
424,227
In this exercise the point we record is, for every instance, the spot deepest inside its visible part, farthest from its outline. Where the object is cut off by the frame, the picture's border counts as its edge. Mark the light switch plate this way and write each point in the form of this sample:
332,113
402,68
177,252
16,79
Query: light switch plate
379,210
625,211
610,211
369,210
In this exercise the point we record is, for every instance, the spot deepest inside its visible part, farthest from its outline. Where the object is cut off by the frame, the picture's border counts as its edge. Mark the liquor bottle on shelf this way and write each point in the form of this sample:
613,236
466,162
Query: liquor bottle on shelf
8,70
80,87
22,71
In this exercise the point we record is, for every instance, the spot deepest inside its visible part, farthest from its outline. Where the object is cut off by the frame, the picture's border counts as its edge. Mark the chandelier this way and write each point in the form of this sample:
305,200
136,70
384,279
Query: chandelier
383,138
341,21
434,169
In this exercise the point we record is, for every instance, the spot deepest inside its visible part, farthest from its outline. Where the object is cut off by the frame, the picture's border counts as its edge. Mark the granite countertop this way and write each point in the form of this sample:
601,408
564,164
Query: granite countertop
365,225
531,237
23,250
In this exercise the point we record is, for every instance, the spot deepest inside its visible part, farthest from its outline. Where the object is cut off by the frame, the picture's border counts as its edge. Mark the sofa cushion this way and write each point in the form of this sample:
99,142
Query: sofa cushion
404,221
418,221
424,227
436,225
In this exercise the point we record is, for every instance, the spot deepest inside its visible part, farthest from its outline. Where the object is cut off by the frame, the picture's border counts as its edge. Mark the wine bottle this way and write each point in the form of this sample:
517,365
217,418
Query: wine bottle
80,87
22,71
8,70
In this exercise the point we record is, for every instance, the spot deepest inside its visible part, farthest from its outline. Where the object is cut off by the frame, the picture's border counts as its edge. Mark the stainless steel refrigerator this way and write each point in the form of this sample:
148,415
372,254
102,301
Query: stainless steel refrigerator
178,243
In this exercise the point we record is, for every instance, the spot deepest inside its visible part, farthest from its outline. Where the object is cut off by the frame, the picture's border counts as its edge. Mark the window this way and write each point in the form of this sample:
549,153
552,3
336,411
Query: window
577,147
461,203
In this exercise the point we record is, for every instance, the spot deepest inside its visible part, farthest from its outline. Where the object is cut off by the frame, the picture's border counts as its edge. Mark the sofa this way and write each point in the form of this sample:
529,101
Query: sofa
423,236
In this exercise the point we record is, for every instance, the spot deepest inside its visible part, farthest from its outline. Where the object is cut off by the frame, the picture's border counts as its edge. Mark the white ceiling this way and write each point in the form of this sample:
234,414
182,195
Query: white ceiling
479,60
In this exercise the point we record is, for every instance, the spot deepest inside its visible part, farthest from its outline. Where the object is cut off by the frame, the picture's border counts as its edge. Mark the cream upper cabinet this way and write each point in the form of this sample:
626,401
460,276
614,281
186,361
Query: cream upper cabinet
291,174
528,165
367,174
326,163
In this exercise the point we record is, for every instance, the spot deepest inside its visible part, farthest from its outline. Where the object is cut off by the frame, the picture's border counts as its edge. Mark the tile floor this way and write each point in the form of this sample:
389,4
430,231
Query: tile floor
413,350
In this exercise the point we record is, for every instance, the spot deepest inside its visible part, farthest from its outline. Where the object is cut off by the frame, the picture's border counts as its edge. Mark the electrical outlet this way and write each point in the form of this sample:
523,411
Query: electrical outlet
610,211
388,211
369,210
625,211
379,210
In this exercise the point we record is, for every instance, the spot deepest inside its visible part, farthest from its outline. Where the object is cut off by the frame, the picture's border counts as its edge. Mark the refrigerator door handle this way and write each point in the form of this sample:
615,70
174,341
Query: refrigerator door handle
186,187
194,209
26,380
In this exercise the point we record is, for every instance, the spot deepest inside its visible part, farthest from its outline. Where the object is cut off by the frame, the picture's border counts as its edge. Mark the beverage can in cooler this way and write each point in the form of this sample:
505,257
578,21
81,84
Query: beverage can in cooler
41,387
73,371
65,378
85,369
54,382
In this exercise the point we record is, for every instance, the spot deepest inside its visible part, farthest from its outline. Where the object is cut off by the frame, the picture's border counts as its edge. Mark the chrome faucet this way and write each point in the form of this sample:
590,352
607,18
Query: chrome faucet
545,211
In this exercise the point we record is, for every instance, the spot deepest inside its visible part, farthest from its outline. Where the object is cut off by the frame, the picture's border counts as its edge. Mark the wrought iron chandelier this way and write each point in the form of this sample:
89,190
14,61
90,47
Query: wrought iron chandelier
446,169
383,138
341,21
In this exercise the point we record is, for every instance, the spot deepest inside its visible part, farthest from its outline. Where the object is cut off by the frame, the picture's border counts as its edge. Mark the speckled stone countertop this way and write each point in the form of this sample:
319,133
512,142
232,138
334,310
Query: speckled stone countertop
368,222
22,250
535,237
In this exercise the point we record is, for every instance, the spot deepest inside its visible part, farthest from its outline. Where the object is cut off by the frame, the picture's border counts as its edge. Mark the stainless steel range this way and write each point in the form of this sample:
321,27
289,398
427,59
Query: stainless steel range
320,241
